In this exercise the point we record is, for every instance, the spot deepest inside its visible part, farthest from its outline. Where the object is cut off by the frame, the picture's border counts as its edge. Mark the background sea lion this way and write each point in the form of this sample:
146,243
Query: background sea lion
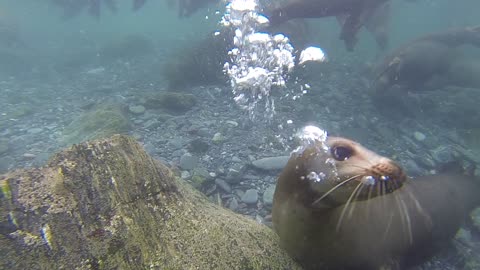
424,59
405,224
351,14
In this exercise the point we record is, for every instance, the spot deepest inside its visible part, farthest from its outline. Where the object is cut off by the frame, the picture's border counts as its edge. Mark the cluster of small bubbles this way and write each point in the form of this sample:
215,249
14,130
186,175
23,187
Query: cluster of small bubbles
289,128
259,61
311,135
316,177
330,161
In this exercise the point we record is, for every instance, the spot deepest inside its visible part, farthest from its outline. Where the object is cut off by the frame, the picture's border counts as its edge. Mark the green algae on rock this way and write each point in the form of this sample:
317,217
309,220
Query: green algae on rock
107,205
100,122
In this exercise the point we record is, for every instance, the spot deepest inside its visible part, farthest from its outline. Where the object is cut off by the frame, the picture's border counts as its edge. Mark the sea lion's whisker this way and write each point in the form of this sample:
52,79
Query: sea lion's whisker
342,215
369,196
356,197
334,188
387,228
381,192
370,191
401,213
419,207
409,223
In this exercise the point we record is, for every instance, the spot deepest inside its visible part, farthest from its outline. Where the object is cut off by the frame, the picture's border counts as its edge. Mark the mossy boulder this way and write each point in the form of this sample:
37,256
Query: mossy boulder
107,205
171,101
99,122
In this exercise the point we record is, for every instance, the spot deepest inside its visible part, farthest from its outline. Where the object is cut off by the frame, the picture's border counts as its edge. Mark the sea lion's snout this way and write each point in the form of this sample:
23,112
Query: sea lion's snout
386,175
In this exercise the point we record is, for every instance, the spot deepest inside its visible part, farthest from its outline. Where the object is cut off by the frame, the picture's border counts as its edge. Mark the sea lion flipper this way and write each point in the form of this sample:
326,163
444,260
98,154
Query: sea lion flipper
351,25
377,24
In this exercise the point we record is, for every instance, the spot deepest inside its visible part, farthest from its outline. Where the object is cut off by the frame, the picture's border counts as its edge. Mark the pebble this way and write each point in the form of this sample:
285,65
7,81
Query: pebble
233,204
185,175
236,159
419,136
218,138
232,123
176,143
188,162
223,185
233,176
250,196
268,195
29,156
136,109
271,163
35,130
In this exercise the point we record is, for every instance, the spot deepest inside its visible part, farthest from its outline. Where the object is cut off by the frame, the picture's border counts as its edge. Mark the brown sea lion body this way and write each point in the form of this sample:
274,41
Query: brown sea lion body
352,14
424,59
400,227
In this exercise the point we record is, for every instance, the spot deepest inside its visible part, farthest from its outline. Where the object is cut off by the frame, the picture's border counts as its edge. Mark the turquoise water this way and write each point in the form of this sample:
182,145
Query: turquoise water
161,78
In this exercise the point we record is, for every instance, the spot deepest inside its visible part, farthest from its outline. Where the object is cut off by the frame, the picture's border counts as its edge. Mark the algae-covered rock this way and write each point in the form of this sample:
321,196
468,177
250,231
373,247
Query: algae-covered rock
108,205
100,122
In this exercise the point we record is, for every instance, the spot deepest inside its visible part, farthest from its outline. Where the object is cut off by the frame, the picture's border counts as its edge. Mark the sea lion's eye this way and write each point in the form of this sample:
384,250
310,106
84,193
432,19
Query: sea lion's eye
341,153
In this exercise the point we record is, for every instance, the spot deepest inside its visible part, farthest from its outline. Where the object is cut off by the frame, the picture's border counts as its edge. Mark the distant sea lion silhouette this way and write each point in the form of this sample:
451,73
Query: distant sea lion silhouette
419,61
346,207
351,14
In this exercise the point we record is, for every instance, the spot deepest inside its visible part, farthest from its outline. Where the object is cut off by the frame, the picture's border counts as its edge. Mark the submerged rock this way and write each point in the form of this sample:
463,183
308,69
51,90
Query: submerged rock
100,122
271,163
108,205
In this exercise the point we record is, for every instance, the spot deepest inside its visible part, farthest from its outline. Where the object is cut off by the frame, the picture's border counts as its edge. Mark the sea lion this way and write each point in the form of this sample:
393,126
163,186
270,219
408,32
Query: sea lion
351,14
188,7
72,8
373,217
423,60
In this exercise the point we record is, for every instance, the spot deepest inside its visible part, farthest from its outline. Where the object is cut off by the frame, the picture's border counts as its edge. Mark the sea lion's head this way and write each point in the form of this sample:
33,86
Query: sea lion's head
386,74
334,172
